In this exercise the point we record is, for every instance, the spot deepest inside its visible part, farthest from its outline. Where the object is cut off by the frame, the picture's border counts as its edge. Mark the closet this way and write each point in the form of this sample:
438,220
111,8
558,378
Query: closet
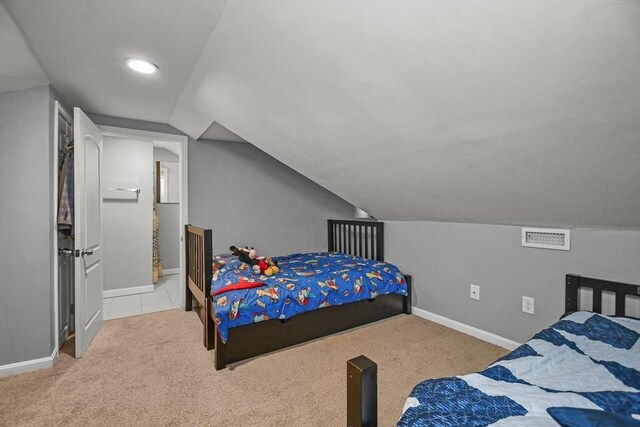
64,220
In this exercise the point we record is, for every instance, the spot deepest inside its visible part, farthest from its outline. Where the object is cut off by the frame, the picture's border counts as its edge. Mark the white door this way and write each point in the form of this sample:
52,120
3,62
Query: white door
87,165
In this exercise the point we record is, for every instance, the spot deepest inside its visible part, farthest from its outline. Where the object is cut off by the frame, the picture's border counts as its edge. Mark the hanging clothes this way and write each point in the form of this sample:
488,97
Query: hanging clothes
65,194
157,262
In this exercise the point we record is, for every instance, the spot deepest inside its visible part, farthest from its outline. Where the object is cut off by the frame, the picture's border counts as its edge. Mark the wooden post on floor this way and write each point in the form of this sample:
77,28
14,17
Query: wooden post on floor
209,327
362,392
188,299
406,301
220,358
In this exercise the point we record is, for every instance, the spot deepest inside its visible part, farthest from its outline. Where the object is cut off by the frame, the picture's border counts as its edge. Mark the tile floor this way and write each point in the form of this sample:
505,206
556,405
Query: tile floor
165,296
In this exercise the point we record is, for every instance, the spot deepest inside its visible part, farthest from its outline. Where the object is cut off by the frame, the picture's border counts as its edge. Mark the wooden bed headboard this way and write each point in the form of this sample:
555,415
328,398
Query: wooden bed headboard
360,238
574,282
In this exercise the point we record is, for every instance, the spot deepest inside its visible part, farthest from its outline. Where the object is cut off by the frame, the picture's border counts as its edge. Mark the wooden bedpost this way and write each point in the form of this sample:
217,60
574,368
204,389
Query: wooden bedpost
330,244
572,283
209,328
362,392
207,261
406,301
220,360
188,300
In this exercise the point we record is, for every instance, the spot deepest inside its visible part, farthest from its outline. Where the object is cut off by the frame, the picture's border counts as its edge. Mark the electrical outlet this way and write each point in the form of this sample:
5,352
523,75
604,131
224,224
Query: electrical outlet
527,304
474,291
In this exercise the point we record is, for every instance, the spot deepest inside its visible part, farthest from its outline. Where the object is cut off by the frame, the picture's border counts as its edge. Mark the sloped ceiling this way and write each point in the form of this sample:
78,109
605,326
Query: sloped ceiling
83,44
19,68
515,112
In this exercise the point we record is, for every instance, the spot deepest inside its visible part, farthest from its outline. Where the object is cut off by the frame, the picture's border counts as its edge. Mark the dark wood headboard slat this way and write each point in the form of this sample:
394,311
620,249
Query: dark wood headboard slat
366,242
620,303
380,243
597,300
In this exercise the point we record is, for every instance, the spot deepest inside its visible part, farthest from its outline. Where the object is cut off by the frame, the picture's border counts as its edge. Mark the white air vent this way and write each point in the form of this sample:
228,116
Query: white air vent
546,238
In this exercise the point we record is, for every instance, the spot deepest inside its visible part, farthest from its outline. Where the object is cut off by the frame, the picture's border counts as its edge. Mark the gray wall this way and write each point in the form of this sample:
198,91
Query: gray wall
26,203
249,198
127,223
169,219
444,258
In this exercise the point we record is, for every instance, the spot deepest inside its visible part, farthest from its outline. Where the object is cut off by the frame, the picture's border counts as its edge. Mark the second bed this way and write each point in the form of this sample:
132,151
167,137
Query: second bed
313,295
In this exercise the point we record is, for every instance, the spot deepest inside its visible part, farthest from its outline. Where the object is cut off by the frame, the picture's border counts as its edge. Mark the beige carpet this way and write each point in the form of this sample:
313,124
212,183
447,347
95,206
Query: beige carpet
153,370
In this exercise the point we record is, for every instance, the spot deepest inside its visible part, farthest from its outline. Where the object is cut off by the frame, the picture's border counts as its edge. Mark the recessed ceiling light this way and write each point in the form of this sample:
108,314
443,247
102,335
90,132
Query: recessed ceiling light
141,66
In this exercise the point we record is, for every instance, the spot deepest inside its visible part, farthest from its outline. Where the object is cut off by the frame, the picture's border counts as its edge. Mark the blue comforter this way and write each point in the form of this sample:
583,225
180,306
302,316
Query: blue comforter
582,370
305,282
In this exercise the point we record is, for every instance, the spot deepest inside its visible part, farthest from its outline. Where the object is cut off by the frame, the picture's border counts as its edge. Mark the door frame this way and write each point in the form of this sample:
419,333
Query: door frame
121,132
59,110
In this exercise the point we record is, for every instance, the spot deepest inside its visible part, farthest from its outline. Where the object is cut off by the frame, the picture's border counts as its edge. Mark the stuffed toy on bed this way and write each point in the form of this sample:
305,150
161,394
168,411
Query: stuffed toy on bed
246,255
261,265
267,266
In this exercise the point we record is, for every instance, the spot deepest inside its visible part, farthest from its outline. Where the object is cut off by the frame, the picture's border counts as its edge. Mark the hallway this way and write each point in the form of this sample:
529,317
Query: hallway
165,296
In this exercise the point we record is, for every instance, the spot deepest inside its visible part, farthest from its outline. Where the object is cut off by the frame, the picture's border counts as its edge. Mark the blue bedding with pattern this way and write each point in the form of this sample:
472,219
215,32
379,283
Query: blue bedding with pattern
305,282
583,370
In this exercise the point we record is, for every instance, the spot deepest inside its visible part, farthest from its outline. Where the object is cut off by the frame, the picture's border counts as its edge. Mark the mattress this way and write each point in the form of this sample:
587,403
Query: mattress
306,282
583,370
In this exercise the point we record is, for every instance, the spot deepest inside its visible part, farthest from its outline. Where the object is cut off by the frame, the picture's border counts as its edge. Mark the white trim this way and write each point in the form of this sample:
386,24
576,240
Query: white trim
144,134
110,293
170,271
29,365
466,329
59,110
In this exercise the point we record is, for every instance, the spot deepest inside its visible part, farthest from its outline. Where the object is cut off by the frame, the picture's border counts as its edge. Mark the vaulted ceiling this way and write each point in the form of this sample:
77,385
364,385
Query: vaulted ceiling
519,112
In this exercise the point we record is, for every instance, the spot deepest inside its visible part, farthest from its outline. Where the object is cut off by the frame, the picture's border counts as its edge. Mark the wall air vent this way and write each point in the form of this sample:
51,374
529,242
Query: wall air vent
546,238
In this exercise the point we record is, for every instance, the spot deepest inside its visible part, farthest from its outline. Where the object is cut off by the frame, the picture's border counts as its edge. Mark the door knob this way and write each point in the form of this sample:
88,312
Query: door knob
62,251
87,252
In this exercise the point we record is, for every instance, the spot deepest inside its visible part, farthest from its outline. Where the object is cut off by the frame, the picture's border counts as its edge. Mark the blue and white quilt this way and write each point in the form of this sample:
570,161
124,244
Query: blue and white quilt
305,282
583,370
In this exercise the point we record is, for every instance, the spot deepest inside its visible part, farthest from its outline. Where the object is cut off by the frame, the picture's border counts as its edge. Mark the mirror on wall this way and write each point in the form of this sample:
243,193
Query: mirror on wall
167,182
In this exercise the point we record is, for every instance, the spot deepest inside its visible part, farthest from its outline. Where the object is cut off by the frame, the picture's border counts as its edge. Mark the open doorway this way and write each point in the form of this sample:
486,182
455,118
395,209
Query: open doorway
167,226
144,175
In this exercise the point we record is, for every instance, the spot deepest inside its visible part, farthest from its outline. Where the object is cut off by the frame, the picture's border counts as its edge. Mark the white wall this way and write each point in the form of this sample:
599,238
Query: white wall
128,222
444,258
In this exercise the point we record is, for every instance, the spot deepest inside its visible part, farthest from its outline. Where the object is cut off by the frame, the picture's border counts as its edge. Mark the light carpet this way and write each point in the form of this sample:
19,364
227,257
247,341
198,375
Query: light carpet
153,370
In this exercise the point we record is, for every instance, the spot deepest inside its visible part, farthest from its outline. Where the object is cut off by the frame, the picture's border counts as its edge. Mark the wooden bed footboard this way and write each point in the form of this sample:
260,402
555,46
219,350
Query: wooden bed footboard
199,257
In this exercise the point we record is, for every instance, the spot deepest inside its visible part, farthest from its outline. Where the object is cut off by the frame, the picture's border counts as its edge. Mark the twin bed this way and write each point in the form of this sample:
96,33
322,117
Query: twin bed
583,370
312,296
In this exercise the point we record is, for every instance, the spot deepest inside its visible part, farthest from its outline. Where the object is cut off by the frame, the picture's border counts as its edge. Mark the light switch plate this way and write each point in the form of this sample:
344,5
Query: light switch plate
474,291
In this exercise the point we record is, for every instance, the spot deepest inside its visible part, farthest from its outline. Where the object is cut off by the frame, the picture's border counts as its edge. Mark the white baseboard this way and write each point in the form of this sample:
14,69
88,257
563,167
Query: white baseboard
466,329
29,365
170,271
128,291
